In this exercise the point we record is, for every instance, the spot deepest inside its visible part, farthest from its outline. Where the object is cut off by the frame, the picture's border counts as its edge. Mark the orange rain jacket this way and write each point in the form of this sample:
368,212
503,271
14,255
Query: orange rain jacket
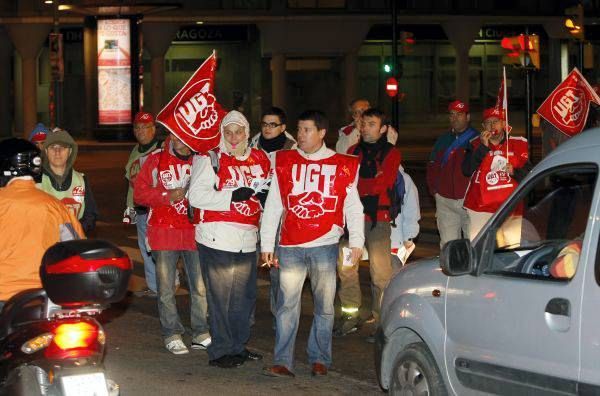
30,222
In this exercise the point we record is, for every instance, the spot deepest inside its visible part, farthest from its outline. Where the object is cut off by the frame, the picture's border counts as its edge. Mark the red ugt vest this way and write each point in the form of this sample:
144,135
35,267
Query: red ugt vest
172,173
234,173
312,194
491,185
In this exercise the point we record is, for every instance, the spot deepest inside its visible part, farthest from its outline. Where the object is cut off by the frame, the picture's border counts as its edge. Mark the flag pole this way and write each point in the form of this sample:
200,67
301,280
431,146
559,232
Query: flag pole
505,107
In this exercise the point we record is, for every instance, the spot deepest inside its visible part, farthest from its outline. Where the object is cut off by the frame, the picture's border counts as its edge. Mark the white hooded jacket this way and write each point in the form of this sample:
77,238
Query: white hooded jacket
230,237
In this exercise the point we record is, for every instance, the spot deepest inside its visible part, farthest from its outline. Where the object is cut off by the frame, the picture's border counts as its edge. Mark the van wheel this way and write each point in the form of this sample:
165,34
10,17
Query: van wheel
416,374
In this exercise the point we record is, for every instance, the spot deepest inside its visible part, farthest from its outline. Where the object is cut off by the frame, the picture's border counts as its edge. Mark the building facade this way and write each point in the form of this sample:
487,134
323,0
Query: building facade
295,54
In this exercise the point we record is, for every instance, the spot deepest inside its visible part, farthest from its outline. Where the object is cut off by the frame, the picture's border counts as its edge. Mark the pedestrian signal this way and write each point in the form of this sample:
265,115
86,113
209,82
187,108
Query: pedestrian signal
407,40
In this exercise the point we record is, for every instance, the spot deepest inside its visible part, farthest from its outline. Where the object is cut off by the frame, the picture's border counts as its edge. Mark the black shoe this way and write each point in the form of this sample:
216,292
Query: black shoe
347,325
237,360
224,361
249,355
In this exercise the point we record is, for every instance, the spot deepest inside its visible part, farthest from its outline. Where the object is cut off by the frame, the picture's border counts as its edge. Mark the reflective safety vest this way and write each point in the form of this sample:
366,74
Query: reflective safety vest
313,194
234,173
73,198
134,164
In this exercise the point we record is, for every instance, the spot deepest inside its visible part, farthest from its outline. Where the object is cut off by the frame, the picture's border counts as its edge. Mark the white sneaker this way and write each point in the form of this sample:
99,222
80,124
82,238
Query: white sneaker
202,344
177,347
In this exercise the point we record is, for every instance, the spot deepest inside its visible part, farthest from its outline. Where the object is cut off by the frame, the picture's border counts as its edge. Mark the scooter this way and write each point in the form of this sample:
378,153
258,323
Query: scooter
50,340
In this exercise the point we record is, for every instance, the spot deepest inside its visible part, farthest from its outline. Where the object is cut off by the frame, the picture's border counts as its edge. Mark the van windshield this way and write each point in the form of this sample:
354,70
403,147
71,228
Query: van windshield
547,224
555,208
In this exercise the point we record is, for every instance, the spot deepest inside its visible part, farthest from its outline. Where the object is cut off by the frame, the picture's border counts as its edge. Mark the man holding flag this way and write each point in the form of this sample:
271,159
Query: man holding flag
496,163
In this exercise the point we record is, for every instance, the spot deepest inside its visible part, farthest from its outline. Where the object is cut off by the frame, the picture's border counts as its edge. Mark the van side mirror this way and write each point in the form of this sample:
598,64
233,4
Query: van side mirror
457,258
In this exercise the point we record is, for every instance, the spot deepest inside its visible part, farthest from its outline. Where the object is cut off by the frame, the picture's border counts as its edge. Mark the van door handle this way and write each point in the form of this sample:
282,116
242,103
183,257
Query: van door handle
558,314
559,306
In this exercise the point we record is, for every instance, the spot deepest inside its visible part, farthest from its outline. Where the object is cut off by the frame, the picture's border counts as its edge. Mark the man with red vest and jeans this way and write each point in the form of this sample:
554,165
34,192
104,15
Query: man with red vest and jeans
496,163
161,185
227,187
379,163
445,179
313,195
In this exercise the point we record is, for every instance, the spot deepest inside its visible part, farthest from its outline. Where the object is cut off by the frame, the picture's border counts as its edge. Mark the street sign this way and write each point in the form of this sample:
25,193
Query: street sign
391,87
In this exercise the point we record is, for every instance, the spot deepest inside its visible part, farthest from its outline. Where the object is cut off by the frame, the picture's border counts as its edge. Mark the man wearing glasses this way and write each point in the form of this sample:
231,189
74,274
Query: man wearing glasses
144,131
445,179
496,162
349,135
273,137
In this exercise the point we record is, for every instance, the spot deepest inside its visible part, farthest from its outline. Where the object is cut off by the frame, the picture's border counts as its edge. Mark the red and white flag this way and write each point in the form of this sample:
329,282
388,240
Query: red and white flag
194,115
502,100
567,107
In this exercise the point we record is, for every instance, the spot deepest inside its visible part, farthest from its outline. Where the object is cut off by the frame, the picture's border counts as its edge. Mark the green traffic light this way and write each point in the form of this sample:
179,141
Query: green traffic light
387,68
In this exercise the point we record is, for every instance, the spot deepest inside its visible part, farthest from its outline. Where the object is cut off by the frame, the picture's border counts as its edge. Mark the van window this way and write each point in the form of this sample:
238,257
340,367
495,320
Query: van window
542,235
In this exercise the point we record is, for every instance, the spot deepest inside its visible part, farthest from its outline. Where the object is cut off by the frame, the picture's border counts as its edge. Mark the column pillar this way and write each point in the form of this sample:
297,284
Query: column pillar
278,87
462,32
157,39
90,75
350,76
5,81
28,40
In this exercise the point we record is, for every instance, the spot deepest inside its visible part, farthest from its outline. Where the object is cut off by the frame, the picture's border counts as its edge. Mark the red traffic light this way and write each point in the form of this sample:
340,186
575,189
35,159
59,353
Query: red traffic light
521,43
512,44
391,87
523,49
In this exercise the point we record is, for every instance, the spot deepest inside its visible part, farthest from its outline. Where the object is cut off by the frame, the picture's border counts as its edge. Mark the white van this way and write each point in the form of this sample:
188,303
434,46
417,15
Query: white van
507,314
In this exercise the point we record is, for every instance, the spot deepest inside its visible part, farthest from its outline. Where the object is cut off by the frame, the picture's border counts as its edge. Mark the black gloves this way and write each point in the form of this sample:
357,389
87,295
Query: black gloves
262,197
241,194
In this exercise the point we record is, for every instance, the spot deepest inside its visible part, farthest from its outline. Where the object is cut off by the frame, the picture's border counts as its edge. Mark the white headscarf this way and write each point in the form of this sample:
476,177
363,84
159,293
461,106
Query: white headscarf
234,117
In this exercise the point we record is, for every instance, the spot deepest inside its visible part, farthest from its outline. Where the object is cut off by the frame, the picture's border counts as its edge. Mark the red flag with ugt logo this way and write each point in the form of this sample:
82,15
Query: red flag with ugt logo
567,107
194,114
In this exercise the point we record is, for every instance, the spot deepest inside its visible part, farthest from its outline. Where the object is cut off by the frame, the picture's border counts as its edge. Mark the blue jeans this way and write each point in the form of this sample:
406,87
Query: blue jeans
231,296
149,266
294,264
166,268
274,289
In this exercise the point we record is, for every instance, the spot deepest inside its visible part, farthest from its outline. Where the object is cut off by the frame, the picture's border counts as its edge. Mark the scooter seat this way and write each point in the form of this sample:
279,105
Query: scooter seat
24,307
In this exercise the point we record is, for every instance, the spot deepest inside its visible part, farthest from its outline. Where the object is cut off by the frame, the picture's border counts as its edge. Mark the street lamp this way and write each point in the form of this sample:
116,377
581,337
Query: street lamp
575,24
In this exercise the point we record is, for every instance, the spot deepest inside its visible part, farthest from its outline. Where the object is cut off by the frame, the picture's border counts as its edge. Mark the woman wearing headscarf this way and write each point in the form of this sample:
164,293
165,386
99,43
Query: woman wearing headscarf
227,187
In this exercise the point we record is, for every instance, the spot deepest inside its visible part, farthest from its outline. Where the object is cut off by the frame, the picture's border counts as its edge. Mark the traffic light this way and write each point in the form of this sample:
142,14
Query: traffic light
512,45
388,68
574,21
523,50
407,40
